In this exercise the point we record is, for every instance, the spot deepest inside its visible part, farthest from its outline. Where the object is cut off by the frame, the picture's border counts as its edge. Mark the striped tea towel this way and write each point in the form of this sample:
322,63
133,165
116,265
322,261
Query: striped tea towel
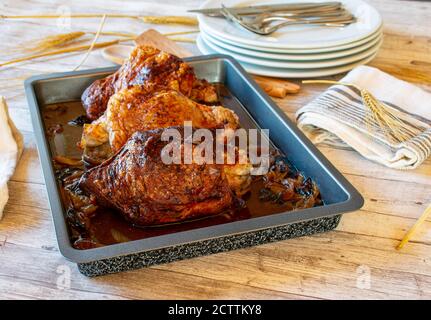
11,146
336,117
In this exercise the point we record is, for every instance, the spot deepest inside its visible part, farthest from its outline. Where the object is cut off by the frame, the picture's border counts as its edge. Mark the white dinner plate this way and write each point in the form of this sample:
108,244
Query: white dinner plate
292,56
293,37
294,64
350,45
289,73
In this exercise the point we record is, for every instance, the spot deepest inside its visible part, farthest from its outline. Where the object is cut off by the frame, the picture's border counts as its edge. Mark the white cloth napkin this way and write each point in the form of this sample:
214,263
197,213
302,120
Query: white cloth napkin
336,118
11,146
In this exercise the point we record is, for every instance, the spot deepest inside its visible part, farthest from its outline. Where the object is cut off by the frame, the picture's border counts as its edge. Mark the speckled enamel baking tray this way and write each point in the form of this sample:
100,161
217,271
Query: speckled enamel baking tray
257,109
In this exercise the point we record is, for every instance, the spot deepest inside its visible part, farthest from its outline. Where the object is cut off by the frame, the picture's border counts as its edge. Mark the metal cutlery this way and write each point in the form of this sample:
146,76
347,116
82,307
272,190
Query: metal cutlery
253,10
265,18
263,29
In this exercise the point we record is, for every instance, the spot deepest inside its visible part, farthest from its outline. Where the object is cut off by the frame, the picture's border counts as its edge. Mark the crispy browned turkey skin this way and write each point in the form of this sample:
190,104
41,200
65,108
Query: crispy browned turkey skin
136,109
148,192
152,68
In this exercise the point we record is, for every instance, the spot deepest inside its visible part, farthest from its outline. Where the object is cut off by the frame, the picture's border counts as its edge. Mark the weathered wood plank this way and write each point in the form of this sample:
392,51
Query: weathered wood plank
321,266
149,283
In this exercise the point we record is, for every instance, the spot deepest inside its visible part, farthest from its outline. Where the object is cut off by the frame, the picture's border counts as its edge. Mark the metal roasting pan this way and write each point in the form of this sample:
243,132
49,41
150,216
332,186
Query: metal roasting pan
254,108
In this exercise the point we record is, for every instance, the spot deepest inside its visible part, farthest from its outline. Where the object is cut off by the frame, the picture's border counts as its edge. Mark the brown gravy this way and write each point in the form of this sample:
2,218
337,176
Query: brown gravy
108,227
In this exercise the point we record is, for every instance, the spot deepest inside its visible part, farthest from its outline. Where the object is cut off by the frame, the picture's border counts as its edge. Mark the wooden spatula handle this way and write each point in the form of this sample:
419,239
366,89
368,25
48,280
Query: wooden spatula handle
154,38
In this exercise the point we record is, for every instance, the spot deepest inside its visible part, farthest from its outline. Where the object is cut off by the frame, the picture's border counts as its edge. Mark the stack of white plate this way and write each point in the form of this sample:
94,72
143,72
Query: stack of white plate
294,51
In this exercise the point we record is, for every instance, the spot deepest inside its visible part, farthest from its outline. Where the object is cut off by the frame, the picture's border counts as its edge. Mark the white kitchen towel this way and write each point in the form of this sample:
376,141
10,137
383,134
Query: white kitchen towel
11,146
336,117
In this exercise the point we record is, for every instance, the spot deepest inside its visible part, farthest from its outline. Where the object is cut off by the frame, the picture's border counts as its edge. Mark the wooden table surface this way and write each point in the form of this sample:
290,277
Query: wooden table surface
357,260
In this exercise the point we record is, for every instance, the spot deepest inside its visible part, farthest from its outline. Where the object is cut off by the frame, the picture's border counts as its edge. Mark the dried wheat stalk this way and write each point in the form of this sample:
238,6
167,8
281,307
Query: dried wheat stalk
66,50
125,34
379,114
415,227
73,15
392,126
148,19
99,30
56,41
170,20
180,32
86,47
182,39
114,33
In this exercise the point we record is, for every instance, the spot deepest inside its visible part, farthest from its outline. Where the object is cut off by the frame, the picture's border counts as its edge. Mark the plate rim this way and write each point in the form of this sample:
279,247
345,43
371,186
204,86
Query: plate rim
295,64
296,56
204,24
294,74
346,46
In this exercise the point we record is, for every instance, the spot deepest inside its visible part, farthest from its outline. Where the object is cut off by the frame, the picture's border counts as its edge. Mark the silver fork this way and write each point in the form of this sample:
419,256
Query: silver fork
265,18
338,21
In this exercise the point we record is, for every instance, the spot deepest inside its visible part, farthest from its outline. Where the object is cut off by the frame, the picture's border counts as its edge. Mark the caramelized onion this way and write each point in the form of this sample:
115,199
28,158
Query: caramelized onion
71,162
